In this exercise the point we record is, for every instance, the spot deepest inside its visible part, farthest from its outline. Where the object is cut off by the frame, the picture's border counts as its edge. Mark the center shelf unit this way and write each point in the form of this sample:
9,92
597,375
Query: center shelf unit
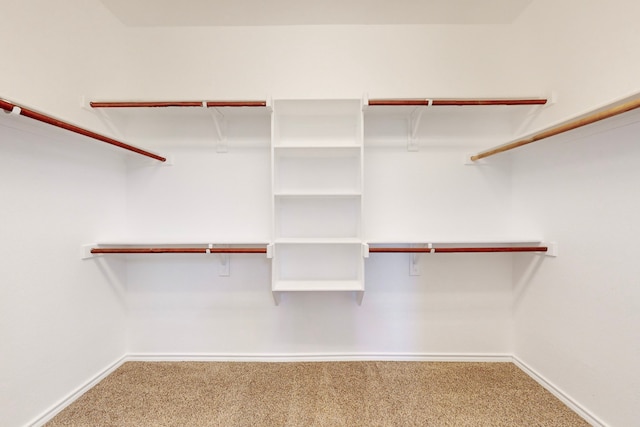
317,186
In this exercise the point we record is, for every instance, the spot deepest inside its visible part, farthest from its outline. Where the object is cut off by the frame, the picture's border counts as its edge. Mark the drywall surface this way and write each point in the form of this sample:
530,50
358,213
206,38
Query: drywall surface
60,54
322,62
433,196
552,48
585,52
577,316
62,319
459,306
180,304
54,54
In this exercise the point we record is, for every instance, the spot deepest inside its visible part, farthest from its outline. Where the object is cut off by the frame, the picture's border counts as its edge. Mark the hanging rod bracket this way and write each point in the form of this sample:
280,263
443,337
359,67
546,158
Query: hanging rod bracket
103,116
552,249
85,251
468,161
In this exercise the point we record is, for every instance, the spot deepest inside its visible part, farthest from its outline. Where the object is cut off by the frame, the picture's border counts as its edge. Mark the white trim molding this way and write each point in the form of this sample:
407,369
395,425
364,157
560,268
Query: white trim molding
74,395
557,392
315,357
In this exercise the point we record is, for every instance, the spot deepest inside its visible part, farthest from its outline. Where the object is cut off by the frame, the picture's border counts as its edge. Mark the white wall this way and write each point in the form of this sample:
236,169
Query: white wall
459,306
62,320
180,305
577,316
321,62
55,54
585,52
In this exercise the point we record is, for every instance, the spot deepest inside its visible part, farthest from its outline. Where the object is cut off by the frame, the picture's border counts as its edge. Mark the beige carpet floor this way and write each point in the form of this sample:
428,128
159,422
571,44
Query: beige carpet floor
317,394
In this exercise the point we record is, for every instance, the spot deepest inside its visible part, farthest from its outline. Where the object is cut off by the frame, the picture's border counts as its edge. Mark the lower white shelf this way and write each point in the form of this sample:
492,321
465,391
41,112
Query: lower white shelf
318,285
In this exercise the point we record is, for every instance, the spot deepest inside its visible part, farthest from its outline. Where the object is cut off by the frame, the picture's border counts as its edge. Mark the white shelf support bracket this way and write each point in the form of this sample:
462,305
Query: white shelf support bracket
414,261
104,118
276,297
108,122
533,113
274,294
365,250
359,297
552,249
220,124
224,267
468,162
365,102
270,250
85,251
414,125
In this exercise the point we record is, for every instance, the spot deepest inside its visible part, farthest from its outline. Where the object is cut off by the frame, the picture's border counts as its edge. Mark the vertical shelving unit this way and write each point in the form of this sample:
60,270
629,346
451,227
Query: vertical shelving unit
317,176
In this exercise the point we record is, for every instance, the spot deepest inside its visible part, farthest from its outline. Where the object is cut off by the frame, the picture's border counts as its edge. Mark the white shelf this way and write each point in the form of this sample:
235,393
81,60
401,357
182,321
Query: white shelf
317,285
319,147
455,241
317,241
180,242
239,126
441,124
317,194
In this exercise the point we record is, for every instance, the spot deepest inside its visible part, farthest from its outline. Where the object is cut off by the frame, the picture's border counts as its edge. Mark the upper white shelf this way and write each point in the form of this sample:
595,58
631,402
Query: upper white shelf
162,122
449,121
440,241
319,146
317,194
318,240
187,241
317,285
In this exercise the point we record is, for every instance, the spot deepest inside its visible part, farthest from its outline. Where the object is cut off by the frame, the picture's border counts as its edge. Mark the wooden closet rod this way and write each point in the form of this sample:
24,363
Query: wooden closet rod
264,250
14,108
455,102
462,250
146,104
556,130
178,250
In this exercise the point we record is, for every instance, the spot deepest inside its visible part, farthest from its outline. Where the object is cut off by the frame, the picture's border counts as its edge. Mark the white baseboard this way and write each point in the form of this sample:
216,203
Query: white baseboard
74,395
540,379
315,357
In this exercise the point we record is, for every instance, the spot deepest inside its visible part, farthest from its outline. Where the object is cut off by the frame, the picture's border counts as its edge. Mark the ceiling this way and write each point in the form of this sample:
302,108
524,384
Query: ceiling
154,13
